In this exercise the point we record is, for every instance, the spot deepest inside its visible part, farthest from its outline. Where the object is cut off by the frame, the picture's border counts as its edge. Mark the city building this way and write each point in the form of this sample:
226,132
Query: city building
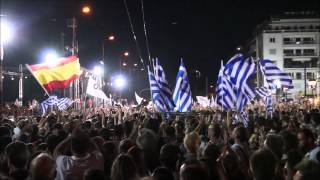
292,41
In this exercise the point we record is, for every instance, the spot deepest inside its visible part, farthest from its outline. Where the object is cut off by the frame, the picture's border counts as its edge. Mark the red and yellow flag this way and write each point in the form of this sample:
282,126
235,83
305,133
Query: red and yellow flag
57,76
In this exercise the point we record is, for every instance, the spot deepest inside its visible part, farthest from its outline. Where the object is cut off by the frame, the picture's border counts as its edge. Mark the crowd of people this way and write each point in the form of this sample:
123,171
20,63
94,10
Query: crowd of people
131,143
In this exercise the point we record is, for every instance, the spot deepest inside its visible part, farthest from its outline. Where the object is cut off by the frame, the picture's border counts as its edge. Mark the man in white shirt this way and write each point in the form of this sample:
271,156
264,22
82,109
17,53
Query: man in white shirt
85,155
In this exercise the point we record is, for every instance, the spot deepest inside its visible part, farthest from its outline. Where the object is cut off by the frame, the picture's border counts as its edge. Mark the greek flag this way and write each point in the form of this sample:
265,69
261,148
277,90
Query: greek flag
240,71
232,89
156,96
182,93
46,104
163,85
226,95
274,77
62,103
265,94
262,91
269,105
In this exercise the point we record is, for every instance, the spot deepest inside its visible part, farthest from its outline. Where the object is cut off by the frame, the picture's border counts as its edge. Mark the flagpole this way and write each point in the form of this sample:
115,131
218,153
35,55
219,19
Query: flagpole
28,67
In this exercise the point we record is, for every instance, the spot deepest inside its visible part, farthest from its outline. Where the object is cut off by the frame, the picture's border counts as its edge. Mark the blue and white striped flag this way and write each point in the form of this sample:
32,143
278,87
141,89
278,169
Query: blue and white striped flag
182,92
62,103
233,90
226,94
269,105
163,85
265,94
50,102
156,96
240,71
274,77
262,91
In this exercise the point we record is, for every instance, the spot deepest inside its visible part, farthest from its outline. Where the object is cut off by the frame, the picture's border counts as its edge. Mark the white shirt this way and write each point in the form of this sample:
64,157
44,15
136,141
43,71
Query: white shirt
73,168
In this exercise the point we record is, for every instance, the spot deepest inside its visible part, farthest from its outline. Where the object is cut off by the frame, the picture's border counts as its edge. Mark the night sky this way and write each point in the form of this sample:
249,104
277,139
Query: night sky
202,32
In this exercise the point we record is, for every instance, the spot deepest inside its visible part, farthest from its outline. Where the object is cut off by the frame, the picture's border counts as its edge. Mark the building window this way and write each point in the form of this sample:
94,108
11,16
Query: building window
310,75
298,76
272,51
272,40
291,74
298,52
309,52
288,52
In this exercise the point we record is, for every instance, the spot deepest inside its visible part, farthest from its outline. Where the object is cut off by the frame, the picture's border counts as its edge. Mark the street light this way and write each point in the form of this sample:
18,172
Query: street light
126,53
86,10
119,82
111,38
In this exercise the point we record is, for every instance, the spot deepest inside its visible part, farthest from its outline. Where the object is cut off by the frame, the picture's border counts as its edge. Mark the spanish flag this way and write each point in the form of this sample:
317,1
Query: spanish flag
58,75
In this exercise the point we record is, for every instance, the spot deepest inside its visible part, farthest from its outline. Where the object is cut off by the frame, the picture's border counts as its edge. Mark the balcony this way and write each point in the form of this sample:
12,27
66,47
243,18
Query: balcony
299,54
298,42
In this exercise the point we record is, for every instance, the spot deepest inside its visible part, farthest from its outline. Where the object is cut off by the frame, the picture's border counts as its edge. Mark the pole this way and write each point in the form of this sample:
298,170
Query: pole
21,85
305,79
206,86
1,79
257,59
318,80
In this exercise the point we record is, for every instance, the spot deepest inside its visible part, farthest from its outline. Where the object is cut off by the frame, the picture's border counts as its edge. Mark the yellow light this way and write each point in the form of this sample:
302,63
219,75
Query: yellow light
126,53
86,10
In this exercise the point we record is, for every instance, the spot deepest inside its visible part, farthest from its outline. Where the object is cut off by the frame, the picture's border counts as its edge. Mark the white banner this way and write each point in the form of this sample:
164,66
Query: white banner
94,87
138,98
203,101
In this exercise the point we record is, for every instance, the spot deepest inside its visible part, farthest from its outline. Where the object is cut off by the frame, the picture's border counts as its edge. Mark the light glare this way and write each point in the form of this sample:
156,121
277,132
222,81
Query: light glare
51,58
6,32
119,81
98,70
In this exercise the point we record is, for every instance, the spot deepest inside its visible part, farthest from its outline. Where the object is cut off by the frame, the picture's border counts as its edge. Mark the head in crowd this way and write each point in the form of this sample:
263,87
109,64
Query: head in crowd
263,164
211,151
192,171
290,140
293,158
125,145
79,142
17,154
94,174
306,140
192,142
275,144
169,155
43,167
307,170
240,134
124,168
162,173
138,157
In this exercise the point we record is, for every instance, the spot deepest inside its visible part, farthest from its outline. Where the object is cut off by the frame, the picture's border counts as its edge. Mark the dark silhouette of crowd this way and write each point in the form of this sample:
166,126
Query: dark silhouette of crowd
134,143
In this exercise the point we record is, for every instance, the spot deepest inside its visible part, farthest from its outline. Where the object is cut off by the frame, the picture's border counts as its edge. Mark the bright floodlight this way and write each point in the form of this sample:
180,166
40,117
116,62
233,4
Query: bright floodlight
119,82
98,70
6,32
51,58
